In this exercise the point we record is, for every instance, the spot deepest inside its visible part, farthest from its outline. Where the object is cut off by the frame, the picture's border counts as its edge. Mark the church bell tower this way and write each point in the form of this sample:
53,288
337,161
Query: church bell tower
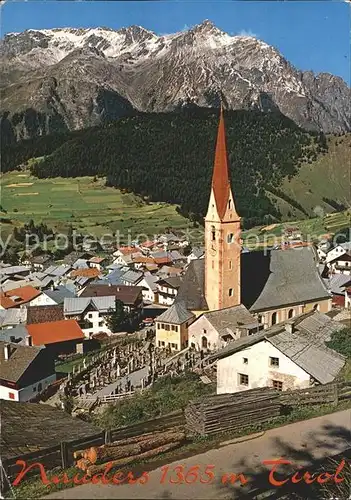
222,234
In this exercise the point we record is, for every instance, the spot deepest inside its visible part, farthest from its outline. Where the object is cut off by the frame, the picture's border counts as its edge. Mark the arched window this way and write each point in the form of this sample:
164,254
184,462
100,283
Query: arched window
204,342
290,313
230,204
213,233
274,318
316,307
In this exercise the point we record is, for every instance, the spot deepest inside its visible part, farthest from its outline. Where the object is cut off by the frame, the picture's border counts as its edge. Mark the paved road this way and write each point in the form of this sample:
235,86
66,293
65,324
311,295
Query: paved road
302,443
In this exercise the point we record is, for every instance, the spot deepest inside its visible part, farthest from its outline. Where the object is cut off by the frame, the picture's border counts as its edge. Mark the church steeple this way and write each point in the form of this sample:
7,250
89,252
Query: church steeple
222,233
221,178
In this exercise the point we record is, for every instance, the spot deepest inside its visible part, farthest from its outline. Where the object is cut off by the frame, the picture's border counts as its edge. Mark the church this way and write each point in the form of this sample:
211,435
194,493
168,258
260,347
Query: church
273,285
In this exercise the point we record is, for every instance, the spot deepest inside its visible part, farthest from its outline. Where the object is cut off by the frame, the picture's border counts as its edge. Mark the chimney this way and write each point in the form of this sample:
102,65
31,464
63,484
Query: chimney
29,340
6,351
289,327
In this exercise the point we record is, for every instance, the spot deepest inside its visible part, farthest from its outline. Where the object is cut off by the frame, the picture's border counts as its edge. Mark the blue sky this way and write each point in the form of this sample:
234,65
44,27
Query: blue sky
311,35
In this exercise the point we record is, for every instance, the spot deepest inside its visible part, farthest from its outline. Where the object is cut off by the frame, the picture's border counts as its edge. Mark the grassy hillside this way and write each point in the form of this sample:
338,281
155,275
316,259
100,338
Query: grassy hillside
327,177
87,204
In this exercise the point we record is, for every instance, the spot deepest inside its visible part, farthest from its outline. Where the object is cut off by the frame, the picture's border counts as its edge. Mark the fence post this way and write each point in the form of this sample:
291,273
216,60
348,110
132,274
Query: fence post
108,437
65,461
336,395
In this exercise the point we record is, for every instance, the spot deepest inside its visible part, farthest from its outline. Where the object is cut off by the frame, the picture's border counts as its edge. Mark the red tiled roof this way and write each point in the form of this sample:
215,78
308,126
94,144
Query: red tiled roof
143,260
96,260
127,250
86,273
162,260
25,294
54,331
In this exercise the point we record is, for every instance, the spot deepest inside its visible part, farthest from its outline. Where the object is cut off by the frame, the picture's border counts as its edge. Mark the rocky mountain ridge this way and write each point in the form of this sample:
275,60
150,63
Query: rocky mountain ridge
72,78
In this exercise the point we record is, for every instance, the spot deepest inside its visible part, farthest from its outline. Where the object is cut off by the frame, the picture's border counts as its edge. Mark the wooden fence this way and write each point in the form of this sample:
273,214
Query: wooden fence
210,415
61,455
235,412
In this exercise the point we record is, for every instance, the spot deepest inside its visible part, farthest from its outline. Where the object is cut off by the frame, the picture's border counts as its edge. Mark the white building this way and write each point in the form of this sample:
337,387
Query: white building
90,312
338,251
150,288
168,290
286,356
213,330
25,371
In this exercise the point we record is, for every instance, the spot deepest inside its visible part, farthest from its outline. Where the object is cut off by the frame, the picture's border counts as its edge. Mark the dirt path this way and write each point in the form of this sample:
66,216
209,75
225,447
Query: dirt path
301,443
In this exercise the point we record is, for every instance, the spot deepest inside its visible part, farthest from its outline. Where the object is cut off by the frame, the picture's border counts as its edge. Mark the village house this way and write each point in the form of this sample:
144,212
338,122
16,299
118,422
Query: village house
96,262
52,297
149,283
167,290
71,259
196,253
131,296
213,330
60,337
172,328
25,371
341,264
10,318
291,355
90,313
132,278
336,284
18,297
37,262
44,314
338,251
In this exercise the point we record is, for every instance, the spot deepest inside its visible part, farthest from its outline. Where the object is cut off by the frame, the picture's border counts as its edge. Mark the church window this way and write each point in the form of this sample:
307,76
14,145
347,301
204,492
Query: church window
290,313
204,331
230,204
204,342
213,233
245,361
259,318
213,264
316,307
230,238
230,265
230,292
274,318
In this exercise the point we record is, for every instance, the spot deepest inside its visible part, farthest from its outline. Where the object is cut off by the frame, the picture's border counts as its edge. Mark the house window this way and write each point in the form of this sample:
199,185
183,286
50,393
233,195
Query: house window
277,384
291,313
213,233
230,292
204,342
230,265
162,325
274,318
245,361
230,238
204,331
11,395
167,328
274,362
243,379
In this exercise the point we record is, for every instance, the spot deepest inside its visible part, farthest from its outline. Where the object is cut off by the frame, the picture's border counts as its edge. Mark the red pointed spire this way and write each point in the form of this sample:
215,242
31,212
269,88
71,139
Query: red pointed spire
220,178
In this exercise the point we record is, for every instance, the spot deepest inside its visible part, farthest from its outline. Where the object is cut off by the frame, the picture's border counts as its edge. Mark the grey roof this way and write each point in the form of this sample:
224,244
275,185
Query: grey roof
151,281
58,271
132,277
272,280
13,316
59,294
171,282
45,427
80,264
11,284
176,314
198,252
305,346
159,254
79,304
227,320
282,277
336,283
15,270
176,255
15,334
321,363
191,291
21,357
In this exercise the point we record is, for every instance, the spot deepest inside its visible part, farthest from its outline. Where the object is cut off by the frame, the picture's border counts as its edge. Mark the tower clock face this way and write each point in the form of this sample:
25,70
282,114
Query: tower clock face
213,249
